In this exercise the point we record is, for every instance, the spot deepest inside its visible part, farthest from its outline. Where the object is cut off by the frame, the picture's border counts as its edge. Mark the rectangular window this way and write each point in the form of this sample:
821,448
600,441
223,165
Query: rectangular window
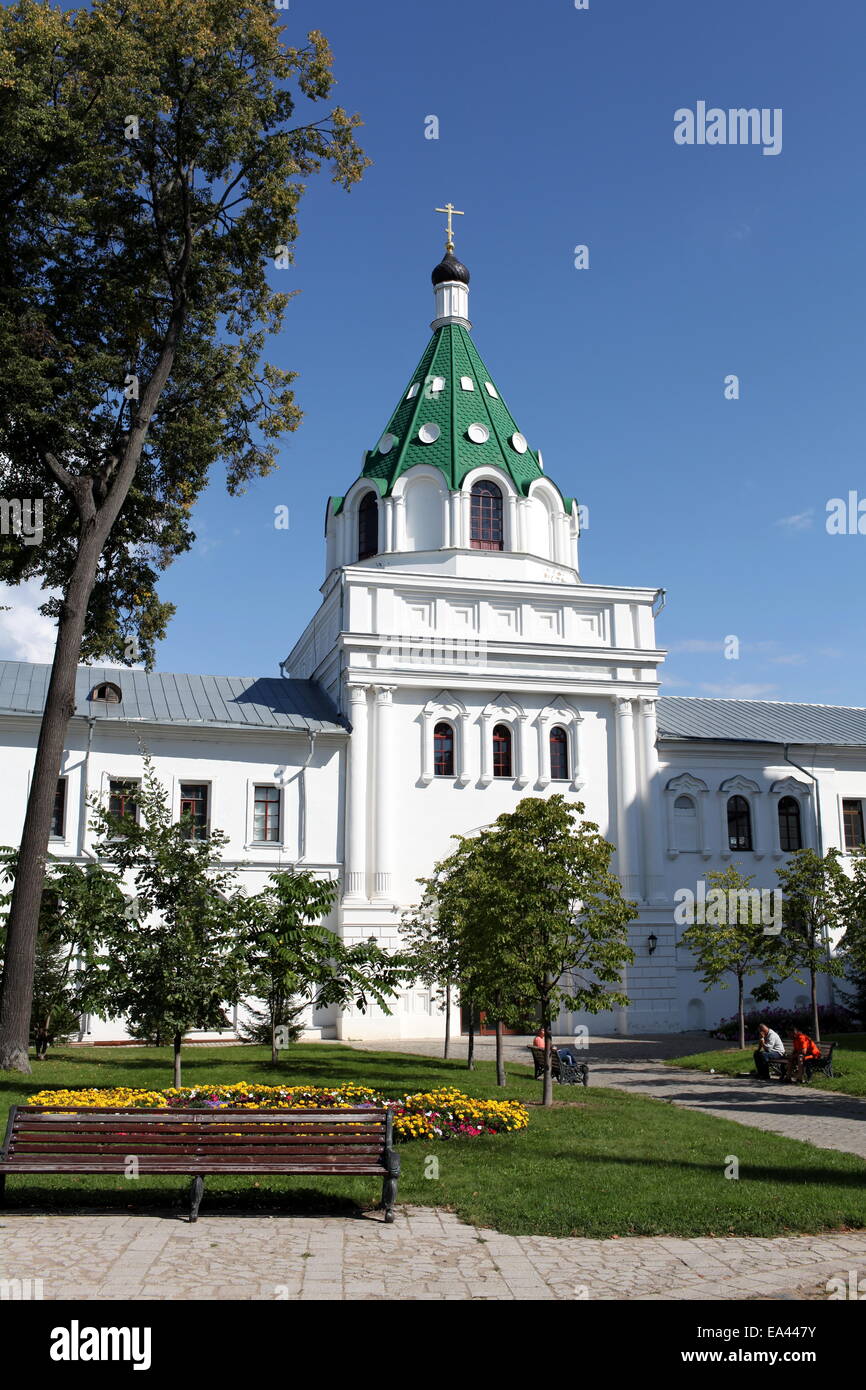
123,798
852,816
194,803
266,814
58,815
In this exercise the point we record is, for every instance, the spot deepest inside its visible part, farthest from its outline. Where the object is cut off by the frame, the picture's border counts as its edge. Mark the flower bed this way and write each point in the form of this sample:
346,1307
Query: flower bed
441,1114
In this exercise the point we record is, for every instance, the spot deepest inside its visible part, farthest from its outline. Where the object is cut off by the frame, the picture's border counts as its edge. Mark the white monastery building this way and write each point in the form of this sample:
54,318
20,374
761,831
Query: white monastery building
457,663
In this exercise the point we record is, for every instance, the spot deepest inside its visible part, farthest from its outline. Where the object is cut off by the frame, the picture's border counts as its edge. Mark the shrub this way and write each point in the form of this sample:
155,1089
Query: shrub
833,1018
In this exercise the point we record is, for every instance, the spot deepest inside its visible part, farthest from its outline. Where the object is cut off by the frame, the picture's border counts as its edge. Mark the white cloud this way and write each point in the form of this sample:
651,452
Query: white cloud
739,691
697,644
25,635
800,521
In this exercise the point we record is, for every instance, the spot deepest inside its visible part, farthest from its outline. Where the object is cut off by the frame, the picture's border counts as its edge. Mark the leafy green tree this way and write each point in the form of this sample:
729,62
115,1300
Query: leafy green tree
294,957
153,154
431,933
850,911
75,901
541,917
815,904
732,940
182,959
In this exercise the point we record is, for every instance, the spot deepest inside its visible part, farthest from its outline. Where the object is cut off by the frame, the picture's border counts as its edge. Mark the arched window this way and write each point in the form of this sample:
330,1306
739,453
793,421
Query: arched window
368,526
790,830
108,692
502,751
558,755
685,824
443,750
486,516
739,823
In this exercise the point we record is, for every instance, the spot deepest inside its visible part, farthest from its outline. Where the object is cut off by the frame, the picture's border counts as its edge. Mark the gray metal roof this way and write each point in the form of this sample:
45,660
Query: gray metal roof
264,702
761,721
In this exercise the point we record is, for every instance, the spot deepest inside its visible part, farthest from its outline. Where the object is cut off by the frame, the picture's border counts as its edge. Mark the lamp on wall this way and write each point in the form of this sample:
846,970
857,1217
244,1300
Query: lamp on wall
652,942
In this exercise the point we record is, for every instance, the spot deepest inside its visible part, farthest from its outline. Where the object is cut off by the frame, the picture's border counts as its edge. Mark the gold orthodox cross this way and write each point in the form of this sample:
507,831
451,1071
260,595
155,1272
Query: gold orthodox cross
451,210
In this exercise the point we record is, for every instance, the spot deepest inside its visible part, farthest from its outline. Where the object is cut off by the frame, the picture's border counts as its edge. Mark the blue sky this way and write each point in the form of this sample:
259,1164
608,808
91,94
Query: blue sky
556,129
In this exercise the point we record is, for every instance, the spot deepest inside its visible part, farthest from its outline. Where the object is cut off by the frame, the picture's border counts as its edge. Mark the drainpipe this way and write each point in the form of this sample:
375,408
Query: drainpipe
82,804
302,800
820,830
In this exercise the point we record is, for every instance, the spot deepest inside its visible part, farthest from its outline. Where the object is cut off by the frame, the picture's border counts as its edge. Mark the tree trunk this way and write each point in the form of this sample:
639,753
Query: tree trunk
470,1050
741,1017
16,998
548,1060
813,983
178,1038
447,1019
94,528
275,1051
501,1079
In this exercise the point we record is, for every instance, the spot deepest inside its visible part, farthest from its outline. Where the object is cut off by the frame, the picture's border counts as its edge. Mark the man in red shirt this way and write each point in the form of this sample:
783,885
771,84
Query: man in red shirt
803,1049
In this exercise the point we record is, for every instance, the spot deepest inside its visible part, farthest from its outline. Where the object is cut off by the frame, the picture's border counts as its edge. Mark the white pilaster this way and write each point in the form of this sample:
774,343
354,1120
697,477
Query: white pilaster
383,795
356,802
627,841
465,520
650,804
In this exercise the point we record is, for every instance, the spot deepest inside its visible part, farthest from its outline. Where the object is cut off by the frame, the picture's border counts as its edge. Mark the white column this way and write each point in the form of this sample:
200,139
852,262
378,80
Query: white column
446,521
522,769
513,538
383,792
485,725
626,780
650,800
356,801
465,520
456,520
388,504
543,727
564,539
523,524
399,522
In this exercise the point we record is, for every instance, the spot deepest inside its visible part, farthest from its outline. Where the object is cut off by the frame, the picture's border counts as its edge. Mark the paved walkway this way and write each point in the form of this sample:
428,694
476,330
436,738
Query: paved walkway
426,1254
825,1118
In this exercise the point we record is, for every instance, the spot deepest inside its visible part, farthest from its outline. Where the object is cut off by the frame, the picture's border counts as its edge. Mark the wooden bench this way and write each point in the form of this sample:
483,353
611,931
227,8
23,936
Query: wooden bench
44,1139
822,1064
568,1073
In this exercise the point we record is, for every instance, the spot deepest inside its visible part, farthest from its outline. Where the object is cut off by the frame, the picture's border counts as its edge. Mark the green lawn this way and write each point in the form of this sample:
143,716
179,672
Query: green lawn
600,1163
849,1063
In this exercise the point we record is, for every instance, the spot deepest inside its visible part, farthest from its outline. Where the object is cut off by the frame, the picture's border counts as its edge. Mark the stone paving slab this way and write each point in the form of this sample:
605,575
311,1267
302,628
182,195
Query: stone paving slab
427,1254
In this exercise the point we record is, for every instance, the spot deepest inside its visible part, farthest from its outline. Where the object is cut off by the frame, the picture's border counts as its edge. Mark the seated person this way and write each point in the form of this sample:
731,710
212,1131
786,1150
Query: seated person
562,1053
803,1050
770,1049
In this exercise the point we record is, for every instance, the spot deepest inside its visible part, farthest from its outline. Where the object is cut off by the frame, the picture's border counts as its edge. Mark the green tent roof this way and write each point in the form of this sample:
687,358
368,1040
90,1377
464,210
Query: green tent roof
451,355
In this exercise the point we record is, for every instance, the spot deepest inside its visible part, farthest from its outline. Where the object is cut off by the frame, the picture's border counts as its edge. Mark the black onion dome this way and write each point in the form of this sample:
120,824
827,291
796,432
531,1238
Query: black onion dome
449,268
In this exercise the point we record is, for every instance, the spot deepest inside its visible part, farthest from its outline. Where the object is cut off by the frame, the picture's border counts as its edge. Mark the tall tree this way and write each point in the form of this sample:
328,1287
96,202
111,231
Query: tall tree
293,957
731,939
152,158
184,960
814,907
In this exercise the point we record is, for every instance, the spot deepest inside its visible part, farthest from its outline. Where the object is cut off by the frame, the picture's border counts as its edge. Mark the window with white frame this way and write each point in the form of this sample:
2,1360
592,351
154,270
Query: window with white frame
266,814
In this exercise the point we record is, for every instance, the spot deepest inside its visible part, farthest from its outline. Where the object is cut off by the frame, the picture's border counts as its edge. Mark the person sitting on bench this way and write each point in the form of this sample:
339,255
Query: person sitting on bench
562,1052
770,1049
803,1049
